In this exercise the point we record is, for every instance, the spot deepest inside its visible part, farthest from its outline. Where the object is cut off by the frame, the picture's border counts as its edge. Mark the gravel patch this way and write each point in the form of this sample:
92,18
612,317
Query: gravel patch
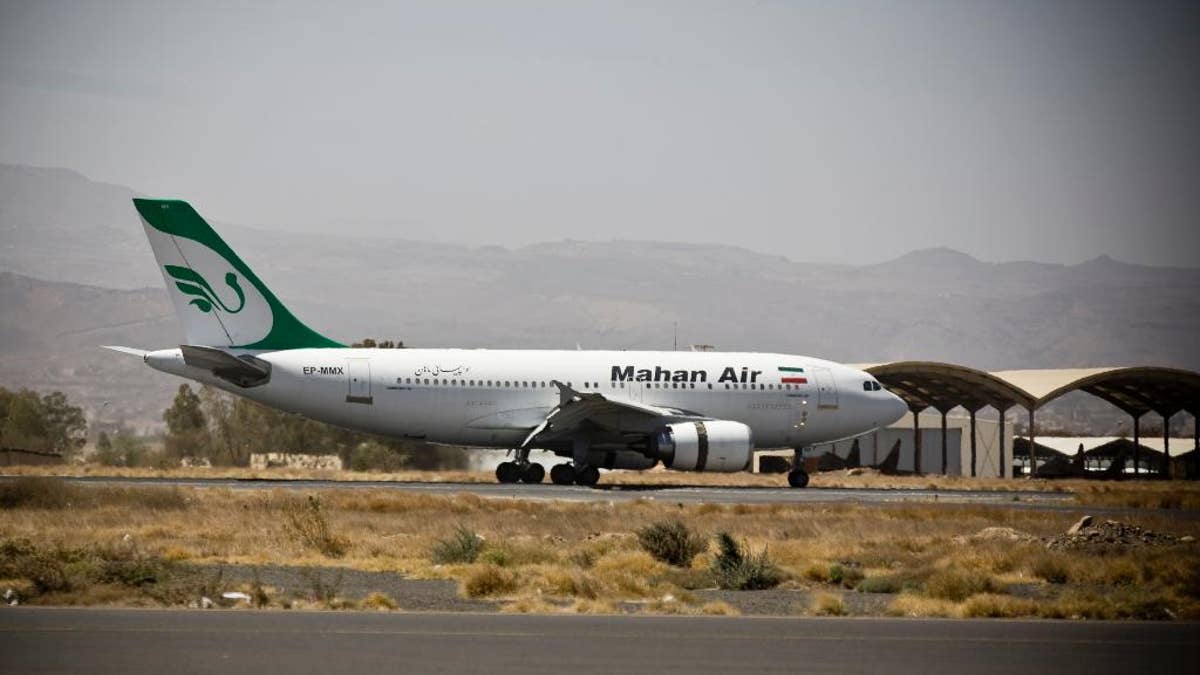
429,595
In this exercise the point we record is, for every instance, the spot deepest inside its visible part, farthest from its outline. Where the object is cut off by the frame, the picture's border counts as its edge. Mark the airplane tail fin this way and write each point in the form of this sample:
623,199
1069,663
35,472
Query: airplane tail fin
218,299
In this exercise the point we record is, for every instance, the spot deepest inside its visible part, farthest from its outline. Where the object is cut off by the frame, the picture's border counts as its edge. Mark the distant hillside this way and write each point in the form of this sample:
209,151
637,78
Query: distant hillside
934,304
50,334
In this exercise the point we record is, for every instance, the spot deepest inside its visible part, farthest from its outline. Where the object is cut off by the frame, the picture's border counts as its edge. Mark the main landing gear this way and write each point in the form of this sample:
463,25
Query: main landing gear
566,474
798,477
521,470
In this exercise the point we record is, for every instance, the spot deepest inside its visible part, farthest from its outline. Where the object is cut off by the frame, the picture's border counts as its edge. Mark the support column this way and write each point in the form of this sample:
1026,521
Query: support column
972,412
1032,446
1166,418
1137,439
1003,470
916,441
945,458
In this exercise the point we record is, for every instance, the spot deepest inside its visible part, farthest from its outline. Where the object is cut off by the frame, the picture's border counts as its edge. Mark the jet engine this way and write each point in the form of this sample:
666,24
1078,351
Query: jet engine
712,445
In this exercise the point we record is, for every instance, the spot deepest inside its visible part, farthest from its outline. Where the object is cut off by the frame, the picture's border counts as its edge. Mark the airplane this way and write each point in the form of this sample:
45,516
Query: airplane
689,411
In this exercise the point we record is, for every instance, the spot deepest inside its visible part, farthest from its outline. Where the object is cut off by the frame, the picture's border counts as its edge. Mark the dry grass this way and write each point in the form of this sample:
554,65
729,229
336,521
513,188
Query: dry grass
1141,494
828,604
585,556
379,601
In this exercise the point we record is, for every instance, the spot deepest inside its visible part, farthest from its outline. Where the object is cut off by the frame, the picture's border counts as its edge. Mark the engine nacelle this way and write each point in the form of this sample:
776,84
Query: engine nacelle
716,445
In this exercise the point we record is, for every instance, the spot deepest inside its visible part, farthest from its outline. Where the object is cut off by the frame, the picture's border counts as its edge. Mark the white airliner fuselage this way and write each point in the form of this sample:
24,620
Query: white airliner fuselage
492,398
690,411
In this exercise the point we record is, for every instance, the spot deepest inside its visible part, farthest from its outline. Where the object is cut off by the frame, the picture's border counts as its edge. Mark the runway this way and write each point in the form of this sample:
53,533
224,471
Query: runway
123,641
670,494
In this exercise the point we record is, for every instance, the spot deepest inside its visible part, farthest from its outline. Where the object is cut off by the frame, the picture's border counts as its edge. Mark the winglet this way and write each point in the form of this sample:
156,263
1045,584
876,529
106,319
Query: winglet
565,394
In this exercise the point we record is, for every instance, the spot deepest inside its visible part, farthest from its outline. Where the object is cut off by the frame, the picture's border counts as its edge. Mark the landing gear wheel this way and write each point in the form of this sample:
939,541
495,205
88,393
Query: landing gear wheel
562,474
798,478
508,472
587,476
534,473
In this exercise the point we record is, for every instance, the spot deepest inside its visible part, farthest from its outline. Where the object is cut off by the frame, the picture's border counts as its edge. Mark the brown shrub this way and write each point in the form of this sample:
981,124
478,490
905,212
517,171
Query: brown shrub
957,585
306,524
489,580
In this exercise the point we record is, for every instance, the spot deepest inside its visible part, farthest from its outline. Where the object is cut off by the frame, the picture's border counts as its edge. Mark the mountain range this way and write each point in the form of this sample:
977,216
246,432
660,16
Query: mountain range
76,272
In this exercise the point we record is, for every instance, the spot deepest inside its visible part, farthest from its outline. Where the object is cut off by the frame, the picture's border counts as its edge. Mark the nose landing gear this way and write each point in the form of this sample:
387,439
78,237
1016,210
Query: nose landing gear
798,478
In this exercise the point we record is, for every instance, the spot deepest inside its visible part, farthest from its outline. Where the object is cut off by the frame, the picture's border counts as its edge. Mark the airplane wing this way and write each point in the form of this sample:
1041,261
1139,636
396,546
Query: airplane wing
577,410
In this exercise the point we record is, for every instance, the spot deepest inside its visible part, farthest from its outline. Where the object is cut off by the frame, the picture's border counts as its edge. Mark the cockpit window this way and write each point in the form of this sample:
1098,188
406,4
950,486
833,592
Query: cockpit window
867,385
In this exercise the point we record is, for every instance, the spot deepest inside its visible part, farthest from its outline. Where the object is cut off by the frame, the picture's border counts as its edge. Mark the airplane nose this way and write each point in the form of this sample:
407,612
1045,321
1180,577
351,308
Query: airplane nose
897,408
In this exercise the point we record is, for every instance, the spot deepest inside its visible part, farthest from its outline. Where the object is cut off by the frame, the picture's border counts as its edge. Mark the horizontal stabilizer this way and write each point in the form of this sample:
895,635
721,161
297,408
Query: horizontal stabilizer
140,353
244,371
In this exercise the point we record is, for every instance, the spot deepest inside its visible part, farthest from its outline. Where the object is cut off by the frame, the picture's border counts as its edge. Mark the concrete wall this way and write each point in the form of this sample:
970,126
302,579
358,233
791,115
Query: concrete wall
20,457
874,447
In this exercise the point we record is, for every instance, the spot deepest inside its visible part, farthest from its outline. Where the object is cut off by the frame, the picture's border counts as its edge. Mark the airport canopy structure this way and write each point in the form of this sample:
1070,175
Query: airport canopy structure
1134,390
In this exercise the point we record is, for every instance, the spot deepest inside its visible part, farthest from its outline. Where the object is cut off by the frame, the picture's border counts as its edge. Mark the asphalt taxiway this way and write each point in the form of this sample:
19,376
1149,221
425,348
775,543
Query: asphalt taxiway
124,641
665,493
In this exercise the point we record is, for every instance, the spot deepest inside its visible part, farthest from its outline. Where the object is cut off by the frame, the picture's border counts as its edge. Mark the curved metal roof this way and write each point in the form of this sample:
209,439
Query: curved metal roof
924,384
1136,390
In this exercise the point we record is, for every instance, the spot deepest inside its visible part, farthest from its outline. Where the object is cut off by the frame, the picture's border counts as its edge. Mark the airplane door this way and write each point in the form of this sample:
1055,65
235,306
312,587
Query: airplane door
358,381
827,393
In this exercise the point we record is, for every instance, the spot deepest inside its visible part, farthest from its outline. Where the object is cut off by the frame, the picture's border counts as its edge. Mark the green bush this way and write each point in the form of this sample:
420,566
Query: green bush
671,542
371,456
734,570
463,547
844,576
46,570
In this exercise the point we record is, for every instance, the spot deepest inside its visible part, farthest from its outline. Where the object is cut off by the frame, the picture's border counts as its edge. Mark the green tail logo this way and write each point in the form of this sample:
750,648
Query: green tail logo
191,283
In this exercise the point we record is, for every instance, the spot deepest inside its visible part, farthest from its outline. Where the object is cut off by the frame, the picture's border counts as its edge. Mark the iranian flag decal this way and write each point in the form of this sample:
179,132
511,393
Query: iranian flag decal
789,375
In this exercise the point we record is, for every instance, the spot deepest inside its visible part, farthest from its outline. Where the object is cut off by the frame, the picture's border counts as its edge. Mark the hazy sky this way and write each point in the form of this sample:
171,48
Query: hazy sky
838,131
